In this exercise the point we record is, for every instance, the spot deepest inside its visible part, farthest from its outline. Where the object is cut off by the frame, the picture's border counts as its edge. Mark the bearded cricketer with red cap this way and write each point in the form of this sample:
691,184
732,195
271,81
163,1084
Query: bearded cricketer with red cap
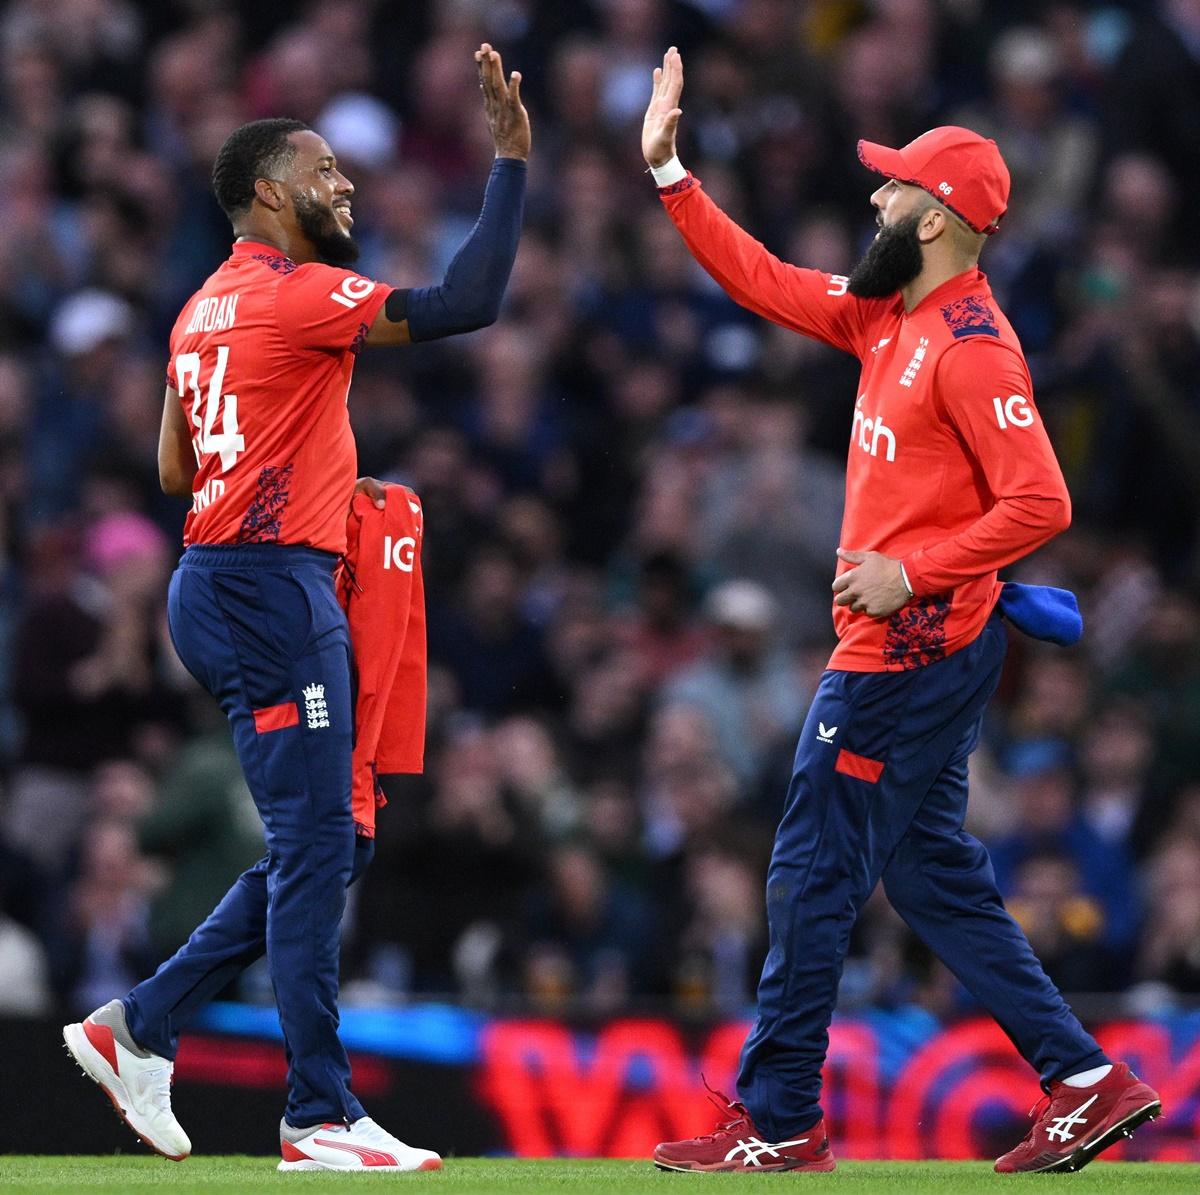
950,476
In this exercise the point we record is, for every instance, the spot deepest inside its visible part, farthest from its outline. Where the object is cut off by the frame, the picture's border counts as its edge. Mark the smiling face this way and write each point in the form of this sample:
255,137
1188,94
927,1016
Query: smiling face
320,197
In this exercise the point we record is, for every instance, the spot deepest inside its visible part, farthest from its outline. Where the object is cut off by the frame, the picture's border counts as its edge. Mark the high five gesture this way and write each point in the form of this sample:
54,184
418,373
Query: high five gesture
506,115
663,112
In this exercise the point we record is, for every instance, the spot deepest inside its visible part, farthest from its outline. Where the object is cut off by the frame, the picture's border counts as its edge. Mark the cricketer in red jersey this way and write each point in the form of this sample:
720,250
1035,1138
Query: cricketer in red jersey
261,357
950,476
255,429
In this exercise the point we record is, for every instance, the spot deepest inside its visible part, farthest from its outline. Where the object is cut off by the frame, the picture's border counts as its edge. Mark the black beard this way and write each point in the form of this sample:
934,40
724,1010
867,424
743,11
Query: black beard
891,261
334,245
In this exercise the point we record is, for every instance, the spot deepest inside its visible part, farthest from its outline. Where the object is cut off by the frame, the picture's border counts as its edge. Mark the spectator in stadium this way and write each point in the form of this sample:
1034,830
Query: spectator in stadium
1064,925
771,513
532,772
101,940
88,332
587,934
432,910
1117,799
747,685
717,950
1047,822
1050,150
487,641
202,829
1170,949
85,672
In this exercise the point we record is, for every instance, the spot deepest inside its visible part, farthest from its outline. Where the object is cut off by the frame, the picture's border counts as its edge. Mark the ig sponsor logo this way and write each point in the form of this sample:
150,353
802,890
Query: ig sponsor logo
399,553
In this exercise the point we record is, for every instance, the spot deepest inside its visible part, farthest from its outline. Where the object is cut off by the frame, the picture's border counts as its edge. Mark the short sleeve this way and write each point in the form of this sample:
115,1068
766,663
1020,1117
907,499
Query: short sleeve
327,309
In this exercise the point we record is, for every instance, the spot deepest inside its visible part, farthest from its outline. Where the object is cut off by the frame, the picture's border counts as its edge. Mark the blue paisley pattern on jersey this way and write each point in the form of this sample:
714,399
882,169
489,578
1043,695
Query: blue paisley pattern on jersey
265,516
916,633
970,316
277,262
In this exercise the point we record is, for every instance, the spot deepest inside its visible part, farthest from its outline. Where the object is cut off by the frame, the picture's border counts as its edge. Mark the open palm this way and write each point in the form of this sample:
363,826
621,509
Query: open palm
663,112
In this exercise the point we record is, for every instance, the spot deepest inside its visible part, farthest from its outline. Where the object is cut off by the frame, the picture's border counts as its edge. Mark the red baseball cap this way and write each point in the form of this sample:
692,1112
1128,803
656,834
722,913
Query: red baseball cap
960,169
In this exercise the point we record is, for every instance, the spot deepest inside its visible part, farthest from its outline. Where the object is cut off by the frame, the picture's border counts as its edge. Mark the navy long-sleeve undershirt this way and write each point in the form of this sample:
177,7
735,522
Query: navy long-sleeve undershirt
470,295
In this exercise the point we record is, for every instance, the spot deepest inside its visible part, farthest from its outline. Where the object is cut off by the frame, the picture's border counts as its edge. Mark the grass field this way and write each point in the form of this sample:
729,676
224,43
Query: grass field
483,1176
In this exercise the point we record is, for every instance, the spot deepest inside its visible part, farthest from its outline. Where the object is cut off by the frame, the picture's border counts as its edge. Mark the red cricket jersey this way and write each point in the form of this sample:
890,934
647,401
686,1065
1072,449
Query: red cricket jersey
949,469
381,588
262,356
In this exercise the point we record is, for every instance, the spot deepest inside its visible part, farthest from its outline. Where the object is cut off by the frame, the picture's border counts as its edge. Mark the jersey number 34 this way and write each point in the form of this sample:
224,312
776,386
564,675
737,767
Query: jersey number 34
208,407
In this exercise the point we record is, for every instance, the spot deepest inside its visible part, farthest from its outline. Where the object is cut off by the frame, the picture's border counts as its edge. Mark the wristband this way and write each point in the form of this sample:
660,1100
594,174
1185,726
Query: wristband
669,173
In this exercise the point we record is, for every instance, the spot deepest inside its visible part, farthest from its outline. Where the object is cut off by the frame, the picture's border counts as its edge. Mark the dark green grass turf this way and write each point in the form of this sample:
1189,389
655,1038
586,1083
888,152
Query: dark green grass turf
482,1176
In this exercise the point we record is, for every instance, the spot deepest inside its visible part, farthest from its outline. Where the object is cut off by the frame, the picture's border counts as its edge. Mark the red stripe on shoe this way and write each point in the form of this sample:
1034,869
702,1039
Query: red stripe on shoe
101,1037
276,717
858,766
369,1157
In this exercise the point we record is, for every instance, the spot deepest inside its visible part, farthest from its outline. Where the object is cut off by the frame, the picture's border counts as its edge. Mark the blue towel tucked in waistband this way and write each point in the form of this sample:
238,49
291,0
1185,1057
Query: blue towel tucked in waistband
1043,612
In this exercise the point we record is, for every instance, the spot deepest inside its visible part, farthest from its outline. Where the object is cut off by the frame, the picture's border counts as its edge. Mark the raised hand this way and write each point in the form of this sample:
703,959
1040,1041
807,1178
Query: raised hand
506,115
663,113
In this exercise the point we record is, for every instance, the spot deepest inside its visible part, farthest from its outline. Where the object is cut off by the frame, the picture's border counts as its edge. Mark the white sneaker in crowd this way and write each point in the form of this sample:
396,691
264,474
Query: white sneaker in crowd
137,1082
362,1145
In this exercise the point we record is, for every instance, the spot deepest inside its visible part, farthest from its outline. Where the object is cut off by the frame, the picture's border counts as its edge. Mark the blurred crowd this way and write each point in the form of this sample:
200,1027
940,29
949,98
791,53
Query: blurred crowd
632,489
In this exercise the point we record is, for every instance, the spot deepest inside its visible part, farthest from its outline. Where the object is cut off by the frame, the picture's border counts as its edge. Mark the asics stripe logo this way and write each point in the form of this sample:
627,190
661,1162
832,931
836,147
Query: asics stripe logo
1062,1126
754,1149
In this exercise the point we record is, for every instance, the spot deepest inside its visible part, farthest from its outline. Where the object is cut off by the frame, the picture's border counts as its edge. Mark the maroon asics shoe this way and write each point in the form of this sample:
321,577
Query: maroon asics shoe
737,1145
1073,1124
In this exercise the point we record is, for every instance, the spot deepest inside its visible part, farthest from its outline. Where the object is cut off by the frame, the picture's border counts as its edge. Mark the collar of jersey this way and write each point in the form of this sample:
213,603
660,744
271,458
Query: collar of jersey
256,248
968,282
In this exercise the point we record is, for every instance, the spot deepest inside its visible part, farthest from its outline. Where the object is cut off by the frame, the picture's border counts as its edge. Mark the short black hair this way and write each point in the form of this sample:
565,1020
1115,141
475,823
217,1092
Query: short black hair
260,149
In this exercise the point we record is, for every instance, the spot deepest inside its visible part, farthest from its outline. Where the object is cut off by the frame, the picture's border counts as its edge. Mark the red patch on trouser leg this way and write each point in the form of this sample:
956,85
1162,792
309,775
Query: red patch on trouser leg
858,766
276,717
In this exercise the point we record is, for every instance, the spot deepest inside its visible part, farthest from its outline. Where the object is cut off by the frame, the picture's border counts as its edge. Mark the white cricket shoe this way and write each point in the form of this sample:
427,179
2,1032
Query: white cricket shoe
362,1145
137,1082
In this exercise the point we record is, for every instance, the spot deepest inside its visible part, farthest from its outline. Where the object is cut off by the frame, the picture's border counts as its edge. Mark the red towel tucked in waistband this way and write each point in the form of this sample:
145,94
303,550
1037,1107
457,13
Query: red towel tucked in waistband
380,588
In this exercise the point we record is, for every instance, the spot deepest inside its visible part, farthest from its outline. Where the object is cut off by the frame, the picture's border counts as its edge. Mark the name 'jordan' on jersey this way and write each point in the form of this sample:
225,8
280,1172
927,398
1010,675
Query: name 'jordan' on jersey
949,468
261,357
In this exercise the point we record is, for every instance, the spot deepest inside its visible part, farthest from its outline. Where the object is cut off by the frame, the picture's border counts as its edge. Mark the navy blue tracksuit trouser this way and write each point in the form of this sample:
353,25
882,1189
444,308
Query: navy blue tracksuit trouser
259,626
879,790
